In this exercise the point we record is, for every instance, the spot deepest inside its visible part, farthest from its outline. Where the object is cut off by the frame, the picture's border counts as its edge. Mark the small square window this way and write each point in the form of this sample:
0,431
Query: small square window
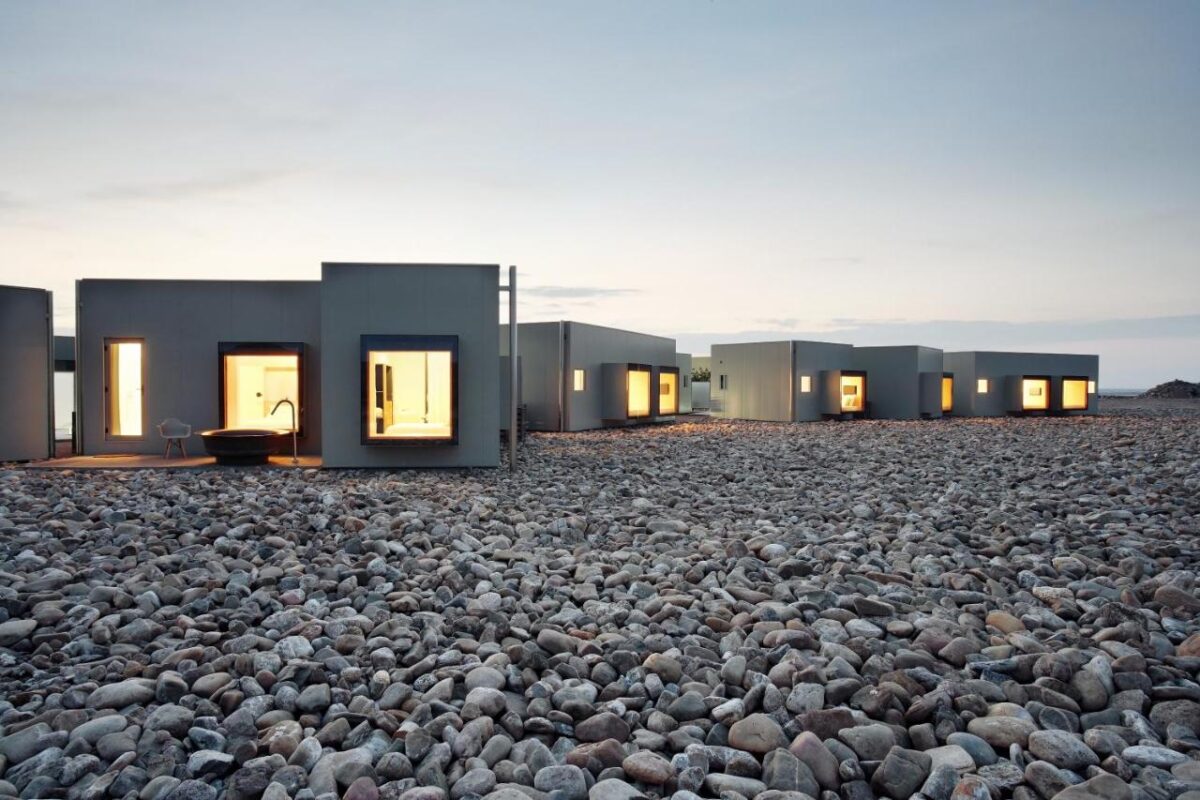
1091,387
580,380
981,385
806,383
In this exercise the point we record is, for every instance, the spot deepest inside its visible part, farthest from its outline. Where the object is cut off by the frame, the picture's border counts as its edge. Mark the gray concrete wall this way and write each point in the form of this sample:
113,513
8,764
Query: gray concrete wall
701,400
539,345
182,323
757,381
811,359
998,367
27,367
894,379
684,362
410,300
588,347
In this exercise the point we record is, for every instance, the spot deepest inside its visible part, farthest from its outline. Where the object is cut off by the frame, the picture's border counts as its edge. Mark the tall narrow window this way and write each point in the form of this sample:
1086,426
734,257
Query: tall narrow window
1074,394
255,380
805,384
580,380
638,388
1035,394
854,393
947,393
668,392
721,382
981,386
1091,387
410,389
124,393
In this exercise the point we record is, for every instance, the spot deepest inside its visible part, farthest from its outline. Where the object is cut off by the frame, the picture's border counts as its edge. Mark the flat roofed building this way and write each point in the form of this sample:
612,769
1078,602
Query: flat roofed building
990,383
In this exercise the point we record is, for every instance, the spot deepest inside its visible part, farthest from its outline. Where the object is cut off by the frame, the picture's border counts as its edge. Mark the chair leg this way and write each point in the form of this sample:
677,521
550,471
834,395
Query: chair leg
167,451
183,447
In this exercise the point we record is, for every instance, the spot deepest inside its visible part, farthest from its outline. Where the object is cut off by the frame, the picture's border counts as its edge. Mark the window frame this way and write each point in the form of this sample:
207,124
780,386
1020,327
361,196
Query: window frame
656,392
853,373
109,436
1062,393
946,376
1047,383
386,343
806,384
262,349
652,400
578,379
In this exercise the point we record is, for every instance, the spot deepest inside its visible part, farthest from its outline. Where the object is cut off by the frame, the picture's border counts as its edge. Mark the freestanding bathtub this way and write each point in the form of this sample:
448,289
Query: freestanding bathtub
242,446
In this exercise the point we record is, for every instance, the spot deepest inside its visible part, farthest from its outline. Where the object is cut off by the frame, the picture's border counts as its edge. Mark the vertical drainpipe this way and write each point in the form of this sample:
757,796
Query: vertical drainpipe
563,375
77,434
791,380
514,373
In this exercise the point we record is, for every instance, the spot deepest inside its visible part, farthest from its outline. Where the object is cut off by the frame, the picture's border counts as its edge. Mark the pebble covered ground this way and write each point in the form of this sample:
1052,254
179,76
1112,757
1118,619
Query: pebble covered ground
964,609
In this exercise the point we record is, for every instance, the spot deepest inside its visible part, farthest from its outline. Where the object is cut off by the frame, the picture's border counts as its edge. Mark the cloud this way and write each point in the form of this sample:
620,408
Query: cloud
573,293
189,187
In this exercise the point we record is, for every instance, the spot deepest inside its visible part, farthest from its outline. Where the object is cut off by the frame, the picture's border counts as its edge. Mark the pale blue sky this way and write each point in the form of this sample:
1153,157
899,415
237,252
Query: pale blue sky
703,169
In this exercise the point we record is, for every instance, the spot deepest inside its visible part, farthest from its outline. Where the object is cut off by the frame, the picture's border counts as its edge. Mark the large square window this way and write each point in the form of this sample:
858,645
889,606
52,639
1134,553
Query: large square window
1035,394
124,388
853,392
255,380
668,391
1074,394
638,392
410,389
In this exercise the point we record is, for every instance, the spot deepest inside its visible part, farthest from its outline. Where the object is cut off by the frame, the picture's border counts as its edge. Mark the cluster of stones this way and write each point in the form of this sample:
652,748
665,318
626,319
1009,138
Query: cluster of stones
963,611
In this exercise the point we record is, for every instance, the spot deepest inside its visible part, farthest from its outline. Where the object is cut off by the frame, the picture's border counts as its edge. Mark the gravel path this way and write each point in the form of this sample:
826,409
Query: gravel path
957,609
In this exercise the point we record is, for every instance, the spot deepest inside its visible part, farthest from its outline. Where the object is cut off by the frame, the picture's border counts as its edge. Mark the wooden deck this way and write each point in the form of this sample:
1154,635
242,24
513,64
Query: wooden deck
144,461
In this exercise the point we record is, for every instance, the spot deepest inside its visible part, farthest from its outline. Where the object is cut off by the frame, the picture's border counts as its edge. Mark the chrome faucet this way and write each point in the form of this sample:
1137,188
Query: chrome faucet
295,459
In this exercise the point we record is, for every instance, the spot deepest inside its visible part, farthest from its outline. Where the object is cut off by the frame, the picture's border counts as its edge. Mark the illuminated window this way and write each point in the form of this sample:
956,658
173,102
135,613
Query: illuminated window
580,380
1091,387
638,388
1035,394
981,385
668,392
1074,394
124,390
947,393
410,389
806,383
255,378
854,393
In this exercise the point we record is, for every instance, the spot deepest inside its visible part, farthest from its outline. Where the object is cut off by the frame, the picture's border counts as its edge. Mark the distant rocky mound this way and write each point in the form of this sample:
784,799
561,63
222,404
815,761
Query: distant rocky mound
1174,390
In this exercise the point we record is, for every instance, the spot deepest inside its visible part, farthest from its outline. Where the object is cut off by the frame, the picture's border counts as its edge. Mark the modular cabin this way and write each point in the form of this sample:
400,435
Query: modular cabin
906,381
27,364
788,381
374,365
993,384
578,377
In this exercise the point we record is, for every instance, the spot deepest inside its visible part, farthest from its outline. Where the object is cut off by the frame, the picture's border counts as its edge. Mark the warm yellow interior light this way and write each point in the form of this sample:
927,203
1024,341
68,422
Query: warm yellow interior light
410,394
853,393
125,389
1074,394
254,385
668,393
1035,394
580,380
639,393
947,393
805,383
981,386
